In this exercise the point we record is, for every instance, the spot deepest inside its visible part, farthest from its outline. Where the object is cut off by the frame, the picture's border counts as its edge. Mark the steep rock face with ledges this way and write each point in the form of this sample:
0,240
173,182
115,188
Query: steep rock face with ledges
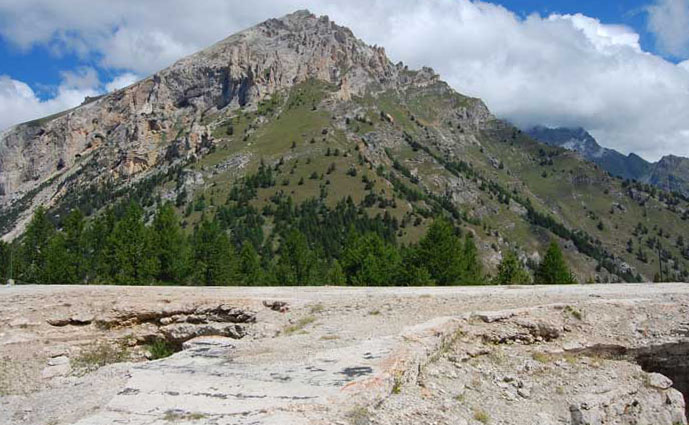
148,125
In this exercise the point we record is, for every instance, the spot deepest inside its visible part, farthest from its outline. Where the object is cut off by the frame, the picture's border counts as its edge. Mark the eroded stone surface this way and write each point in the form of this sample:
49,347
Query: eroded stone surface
347,355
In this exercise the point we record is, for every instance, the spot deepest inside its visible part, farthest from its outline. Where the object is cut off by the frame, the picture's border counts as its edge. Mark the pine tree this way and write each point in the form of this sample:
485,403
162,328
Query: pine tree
97,236
297,262
131,252
369,260
441,252
6,261
553,270
171,245
75,244
511,271
215,261
59,268
65,257
412,275
249,265
34,246
472,269
336,275
413,272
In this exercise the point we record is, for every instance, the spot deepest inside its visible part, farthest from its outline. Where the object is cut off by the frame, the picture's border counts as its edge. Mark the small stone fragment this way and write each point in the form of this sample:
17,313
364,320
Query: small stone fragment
57,361
495,316
55,371
656,380
279,306
81,319
58,321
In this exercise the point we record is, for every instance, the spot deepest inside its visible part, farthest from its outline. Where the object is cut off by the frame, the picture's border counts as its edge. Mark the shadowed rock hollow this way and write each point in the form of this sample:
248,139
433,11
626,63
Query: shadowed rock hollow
611,354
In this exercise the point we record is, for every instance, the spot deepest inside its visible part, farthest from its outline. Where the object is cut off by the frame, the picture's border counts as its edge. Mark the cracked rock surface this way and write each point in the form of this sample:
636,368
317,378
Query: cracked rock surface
606,354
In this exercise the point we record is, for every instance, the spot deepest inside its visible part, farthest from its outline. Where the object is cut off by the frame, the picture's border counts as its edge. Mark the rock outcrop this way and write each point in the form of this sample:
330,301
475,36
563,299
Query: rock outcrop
595,354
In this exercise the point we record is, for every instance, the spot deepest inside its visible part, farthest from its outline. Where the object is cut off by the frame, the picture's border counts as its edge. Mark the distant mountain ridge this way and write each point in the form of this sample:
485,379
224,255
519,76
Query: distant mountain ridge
671,173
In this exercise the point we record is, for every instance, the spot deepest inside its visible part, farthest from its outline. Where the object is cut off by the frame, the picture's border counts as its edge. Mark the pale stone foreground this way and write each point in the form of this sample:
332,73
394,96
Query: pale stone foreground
498,355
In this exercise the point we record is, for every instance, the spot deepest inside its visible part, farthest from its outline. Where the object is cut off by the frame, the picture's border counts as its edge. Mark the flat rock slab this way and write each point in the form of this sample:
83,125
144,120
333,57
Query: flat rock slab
336,356
220,383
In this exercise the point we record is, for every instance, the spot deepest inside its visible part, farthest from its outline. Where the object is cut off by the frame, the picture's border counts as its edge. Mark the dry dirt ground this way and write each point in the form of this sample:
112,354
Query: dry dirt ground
597,354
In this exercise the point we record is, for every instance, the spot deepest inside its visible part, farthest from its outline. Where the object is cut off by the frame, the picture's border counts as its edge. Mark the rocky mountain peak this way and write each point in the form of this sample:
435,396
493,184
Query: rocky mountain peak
282,52
671,173
581,141
169,115
575,139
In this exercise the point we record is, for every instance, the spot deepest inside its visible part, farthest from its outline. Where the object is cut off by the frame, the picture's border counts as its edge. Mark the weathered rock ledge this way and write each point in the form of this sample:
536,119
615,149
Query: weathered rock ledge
613,354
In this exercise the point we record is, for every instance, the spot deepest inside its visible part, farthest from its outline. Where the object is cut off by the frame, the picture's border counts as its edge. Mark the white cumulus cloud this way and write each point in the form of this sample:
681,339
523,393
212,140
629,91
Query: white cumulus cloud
669,21
569,70
20,103
121,81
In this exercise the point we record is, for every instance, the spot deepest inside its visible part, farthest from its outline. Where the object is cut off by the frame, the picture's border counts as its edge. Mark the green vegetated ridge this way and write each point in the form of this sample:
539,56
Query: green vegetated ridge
397,187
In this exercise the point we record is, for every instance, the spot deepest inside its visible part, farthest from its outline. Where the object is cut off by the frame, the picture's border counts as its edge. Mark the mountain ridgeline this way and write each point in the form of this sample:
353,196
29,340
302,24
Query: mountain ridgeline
294,153
671,173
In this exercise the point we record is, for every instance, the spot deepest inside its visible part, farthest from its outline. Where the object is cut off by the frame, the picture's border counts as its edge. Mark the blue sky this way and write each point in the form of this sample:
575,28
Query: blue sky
618,68
626,12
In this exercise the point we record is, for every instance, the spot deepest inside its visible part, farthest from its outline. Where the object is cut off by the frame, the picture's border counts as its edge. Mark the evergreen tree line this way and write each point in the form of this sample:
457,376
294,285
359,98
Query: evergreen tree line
314,245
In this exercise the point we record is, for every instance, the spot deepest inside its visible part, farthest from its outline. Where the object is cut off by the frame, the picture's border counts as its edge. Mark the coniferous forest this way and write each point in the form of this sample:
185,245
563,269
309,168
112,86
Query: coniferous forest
310,244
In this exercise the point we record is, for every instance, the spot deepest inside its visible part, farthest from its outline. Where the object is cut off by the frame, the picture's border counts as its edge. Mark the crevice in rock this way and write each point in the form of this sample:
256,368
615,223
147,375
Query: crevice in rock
160,332
671,360
197,315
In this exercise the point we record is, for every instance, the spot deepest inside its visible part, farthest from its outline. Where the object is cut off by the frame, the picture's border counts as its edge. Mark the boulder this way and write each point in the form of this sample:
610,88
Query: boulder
181,332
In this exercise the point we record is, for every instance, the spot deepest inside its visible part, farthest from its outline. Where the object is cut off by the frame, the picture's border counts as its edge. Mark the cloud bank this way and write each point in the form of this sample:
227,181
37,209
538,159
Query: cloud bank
20,103
669,21
570,70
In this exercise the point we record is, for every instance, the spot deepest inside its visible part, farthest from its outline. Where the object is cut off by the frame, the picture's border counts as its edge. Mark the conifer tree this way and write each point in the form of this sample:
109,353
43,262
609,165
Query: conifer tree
34,246
171,245
59,267
97,236
440,251
75,244
65,257
215,262
472,269
511,271
336,275
249,265
6,261
553,270
368,260
131,253
297,262
413,272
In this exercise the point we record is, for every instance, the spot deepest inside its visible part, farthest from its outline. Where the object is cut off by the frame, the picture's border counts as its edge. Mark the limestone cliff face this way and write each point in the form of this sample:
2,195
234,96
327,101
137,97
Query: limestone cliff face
149,124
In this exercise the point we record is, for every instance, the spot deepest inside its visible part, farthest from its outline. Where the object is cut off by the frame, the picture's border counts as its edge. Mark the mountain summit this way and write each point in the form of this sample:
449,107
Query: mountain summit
297,125
579,140
171,114
671,173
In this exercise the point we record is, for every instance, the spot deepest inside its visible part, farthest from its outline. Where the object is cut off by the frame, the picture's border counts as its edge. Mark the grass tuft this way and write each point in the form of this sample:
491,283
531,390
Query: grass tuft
299,325
99,355
160,349
541,357
481,416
